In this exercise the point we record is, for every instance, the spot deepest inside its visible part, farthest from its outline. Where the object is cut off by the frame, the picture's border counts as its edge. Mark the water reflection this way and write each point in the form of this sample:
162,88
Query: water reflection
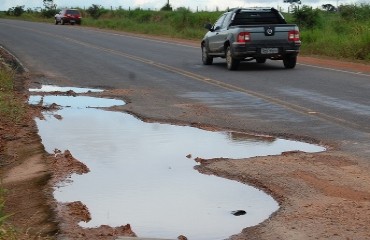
79,102
53,88
140,174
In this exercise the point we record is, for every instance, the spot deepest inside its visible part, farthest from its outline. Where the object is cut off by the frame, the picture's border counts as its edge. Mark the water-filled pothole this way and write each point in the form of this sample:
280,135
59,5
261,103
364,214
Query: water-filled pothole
140,172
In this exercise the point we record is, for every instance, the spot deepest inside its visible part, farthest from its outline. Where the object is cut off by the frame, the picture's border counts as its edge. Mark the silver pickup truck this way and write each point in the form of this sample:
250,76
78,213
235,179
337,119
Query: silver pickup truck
245,34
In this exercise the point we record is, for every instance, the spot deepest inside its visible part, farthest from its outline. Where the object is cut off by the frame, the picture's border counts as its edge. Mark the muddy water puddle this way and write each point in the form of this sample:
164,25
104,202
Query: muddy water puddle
141,172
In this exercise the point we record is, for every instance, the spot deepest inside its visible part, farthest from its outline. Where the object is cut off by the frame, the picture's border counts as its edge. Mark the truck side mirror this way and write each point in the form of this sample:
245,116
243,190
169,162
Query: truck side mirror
208,26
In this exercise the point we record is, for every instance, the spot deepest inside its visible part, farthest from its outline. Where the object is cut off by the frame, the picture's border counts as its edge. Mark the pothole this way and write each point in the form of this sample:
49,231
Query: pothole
143,173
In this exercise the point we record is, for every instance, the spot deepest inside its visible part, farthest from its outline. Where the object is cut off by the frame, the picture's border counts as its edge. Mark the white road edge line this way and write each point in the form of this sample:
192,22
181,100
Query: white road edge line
336,70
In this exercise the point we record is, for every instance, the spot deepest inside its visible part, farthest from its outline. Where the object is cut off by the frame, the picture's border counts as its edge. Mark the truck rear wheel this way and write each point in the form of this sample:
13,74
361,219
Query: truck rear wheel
206,59
232,63
290,61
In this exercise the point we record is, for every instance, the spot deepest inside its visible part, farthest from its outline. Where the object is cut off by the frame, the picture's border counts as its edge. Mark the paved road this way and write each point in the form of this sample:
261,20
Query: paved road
311,102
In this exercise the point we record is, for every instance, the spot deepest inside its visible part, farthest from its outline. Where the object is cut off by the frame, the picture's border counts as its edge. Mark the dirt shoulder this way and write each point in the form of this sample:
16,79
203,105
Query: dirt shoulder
322,195
24,172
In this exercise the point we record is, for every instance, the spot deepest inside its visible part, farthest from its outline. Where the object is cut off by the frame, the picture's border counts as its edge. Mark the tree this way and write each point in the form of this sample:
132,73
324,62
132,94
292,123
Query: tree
293,4
293,1
167,7
307,17
328,7
50,9
355,12
16,11
183,9
49,4
95,11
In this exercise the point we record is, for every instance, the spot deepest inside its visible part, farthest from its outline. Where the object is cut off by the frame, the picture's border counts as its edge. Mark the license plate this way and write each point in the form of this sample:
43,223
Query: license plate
269,50
72,21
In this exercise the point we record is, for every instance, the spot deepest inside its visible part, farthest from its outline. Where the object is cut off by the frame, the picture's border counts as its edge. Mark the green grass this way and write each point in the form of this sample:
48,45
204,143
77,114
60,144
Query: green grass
339,38
180,24
11,108
33,17
6,231
344,34
11,111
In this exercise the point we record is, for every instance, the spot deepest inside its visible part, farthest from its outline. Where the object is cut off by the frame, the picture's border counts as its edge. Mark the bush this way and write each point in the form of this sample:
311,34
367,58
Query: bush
166,7
48,13
95,11
6,231
307,18
16,11
50,9
355,12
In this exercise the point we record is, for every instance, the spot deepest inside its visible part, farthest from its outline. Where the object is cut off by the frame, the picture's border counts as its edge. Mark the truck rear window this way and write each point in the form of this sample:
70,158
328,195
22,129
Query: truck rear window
73,12
250,18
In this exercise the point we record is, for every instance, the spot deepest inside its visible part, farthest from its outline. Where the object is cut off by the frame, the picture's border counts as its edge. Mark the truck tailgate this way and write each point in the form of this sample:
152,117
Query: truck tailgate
268,33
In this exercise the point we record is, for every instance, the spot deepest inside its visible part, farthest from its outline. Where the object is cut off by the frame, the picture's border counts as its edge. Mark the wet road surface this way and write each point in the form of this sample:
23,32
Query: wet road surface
323,104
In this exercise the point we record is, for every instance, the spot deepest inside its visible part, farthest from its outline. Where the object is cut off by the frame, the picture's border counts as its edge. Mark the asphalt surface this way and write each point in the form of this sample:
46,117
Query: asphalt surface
326,105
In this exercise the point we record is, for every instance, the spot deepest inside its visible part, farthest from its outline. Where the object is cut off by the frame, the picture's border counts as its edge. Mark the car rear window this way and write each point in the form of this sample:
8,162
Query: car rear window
73,12
248,18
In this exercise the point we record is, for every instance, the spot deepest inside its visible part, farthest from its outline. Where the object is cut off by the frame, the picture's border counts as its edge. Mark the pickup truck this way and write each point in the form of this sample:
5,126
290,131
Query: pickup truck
245,34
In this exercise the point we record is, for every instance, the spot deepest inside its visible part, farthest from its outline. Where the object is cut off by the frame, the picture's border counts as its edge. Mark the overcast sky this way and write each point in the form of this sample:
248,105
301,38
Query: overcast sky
209,5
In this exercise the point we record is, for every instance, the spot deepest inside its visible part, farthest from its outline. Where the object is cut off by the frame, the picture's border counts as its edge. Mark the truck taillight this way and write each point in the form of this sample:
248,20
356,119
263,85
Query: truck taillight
244,37
293,36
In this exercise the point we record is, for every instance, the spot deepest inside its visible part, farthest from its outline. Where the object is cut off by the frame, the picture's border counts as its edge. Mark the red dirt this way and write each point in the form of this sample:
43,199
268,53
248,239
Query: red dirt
335,64
322,196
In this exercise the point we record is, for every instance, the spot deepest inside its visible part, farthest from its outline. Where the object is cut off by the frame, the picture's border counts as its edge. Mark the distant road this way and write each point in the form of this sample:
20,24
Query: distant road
314,102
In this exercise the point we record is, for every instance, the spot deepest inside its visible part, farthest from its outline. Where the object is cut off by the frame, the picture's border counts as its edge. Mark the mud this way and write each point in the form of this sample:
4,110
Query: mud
24,173
322,196
73,213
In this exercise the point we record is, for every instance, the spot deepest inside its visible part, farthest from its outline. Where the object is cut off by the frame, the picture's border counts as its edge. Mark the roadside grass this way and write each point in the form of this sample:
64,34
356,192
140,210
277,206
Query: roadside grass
32,17
344,34
6,231
180,24
338,38
12,110
357,48
336,34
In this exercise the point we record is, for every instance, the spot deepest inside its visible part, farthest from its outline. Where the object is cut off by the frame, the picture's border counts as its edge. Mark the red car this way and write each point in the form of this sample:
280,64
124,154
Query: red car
70,16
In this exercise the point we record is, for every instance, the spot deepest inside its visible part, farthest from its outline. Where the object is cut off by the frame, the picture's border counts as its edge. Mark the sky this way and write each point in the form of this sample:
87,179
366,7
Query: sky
201,5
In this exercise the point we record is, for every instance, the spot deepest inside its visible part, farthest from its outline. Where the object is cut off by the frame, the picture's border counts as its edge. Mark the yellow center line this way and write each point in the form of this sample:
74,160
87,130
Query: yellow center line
210,81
